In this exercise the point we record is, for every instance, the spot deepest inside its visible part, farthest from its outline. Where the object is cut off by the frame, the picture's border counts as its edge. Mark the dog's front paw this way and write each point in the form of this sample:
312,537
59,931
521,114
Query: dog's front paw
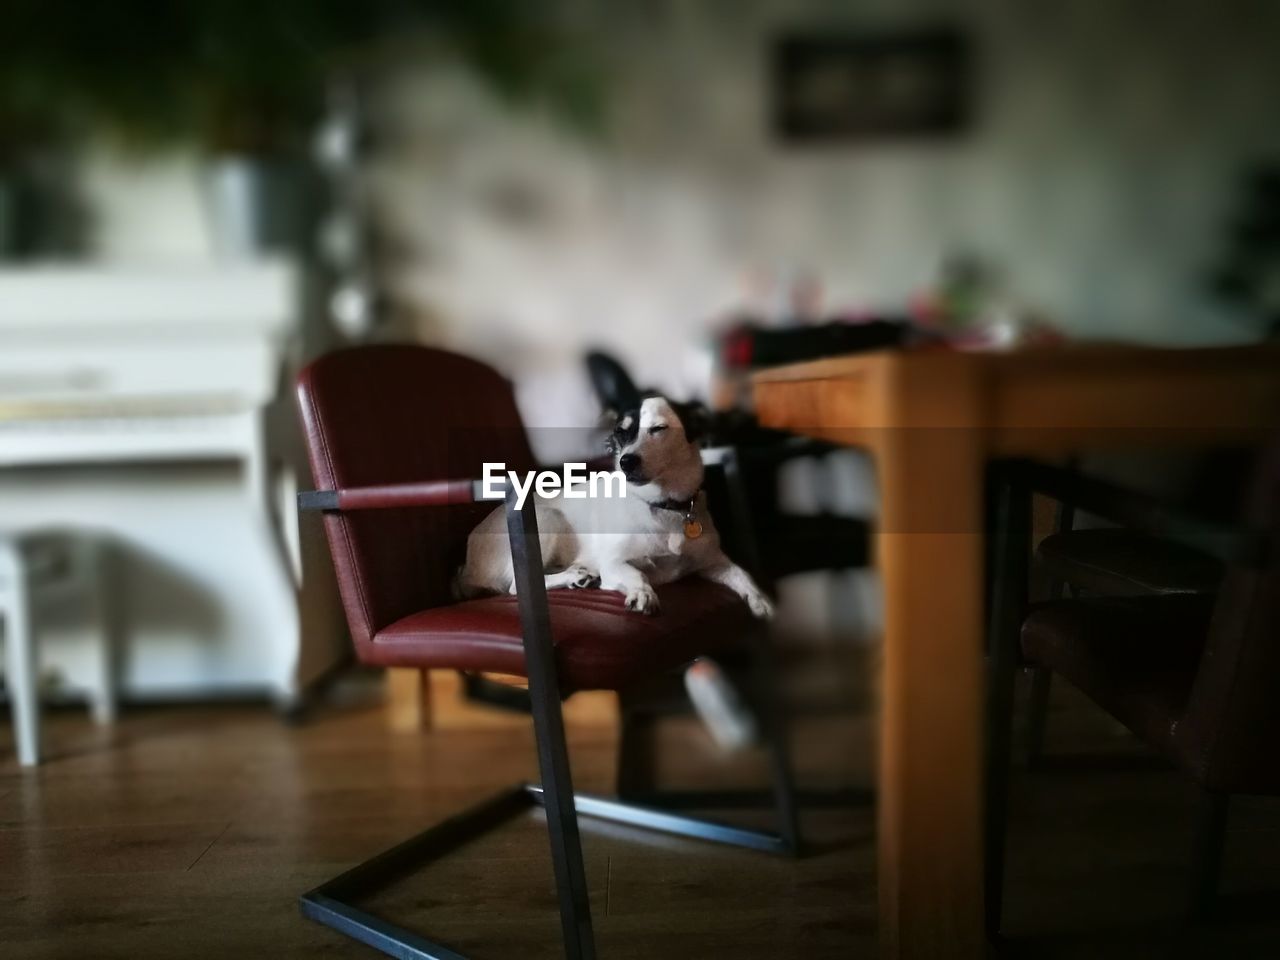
761,606
583,578
643,600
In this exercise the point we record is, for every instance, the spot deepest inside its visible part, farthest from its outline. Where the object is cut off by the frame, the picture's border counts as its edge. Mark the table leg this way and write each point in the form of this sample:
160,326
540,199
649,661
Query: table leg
408,699
930,787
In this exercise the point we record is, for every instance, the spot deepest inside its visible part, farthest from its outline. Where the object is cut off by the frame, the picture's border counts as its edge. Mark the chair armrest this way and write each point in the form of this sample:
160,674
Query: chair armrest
431,493
1143,512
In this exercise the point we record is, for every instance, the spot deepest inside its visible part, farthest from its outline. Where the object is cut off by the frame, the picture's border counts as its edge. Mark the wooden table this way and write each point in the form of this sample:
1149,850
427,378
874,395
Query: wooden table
931,420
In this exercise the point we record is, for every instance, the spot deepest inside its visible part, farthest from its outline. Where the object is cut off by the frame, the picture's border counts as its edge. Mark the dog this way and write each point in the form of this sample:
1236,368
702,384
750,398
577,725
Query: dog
660,531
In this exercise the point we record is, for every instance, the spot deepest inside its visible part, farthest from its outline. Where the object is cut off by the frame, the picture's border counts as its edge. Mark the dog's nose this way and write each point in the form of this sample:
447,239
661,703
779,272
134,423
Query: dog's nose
629,463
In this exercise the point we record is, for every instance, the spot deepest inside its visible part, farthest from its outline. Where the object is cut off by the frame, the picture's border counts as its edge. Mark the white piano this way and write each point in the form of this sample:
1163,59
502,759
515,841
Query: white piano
156,407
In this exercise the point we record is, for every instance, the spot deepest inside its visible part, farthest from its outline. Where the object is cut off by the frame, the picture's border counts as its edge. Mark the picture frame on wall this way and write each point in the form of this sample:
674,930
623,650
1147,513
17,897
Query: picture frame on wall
832,89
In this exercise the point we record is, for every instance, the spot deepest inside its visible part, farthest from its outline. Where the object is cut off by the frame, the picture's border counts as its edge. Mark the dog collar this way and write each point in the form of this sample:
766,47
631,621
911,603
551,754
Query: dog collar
692,528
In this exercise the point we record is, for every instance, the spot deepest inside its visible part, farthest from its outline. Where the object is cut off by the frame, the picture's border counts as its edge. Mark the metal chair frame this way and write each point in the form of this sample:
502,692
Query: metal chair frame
330,903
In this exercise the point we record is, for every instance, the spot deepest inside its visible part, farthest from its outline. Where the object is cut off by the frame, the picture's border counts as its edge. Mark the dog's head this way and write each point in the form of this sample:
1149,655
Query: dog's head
656,448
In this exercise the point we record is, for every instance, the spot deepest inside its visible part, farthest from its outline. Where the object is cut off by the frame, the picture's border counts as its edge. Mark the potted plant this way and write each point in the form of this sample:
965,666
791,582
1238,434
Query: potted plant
15,192
27,133
244,81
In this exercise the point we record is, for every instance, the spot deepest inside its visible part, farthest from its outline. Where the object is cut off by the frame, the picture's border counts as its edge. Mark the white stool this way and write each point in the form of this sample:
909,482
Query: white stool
29,564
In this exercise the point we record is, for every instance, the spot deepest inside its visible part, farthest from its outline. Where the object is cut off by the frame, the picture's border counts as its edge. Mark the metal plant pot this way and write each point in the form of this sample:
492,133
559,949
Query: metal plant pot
257,206
16,209
8,218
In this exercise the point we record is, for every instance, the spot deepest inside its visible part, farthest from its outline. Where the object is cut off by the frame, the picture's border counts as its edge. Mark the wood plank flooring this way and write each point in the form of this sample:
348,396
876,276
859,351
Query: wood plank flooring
189,832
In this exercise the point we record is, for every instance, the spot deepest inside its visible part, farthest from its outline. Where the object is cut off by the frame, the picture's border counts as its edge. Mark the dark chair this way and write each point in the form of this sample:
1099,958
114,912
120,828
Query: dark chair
1110,561
743,460
743,493
1107,562
396,435
1191,674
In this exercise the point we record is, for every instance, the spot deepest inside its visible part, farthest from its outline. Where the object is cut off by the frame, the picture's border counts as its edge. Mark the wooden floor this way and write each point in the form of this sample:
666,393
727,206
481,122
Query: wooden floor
189,832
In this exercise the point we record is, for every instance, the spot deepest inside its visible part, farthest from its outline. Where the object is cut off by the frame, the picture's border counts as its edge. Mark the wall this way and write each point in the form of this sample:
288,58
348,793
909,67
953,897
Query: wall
1098,172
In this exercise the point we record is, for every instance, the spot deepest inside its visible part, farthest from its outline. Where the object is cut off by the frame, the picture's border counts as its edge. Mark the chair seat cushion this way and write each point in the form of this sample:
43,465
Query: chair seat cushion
599,643
1135,656
1125,562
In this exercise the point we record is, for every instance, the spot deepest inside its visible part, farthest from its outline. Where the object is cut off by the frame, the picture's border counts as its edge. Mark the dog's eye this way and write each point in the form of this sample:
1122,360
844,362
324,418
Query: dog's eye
657,428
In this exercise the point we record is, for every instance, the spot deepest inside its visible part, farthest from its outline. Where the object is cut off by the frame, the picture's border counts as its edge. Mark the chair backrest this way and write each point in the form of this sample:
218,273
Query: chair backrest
399,414
1230,732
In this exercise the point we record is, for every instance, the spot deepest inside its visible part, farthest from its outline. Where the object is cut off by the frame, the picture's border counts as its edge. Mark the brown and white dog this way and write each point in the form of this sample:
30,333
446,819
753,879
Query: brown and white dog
660,531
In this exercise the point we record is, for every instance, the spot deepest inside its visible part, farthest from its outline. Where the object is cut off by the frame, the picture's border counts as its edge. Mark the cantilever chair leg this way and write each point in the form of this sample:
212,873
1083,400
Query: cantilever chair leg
1206,857
548,728
1037,715
778,740
1008,601
329,903
635,778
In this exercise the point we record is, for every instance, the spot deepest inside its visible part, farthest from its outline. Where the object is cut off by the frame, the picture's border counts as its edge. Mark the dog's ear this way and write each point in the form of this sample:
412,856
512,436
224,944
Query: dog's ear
622,428
696,419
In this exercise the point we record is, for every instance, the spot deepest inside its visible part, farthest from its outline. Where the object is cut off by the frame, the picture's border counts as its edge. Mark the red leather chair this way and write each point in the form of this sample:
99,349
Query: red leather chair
396,437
